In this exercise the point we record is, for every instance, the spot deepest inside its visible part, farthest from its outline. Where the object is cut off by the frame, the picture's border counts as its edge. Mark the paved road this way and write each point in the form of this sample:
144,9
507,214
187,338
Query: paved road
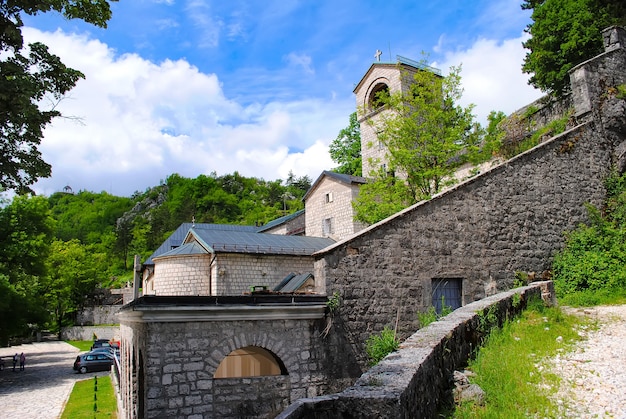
42,389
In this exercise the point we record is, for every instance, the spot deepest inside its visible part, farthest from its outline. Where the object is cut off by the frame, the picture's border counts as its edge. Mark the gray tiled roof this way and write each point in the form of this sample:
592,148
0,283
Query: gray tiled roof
293,283
280,221
347,179
193,248
221,241
177,237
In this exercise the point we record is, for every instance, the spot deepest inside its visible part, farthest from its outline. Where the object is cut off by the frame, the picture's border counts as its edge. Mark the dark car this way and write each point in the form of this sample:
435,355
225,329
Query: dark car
100,343
104,343
93,361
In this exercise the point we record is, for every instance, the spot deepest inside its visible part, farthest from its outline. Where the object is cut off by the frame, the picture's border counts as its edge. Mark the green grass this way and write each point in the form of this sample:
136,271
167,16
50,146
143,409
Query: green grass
82,345
509,365
92,398
589,298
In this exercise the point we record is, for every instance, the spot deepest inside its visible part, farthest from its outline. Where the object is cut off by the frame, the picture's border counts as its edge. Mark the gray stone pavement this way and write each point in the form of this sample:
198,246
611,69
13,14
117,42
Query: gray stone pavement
43,388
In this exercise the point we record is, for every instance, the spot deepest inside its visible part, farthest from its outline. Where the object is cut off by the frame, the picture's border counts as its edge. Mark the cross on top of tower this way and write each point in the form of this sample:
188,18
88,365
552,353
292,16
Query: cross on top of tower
377,55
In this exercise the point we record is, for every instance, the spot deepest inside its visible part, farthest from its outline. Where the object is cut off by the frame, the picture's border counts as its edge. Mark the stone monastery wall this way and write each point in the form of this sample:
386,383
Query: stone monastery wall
413,381
181,358
511,218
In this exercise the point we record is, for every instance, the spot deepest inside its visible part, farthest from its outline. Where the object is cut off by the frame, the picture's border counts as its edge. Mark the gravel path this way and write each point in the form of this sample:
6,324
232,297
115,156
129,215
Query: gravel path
593,375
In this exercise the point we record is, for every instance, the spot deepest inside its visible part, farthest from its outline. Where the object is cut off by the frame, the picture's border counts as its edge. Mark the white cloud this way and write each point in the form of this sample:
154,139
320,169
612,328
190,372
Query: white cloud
302,61
491,76
141,121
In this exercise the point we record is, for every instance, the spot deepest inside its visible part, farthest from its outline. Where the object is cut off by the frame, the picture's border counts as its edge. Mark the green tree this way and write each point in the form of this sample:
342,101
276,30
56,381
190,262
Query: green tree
75,270
423,130
26,229
564,33
345,150
32,83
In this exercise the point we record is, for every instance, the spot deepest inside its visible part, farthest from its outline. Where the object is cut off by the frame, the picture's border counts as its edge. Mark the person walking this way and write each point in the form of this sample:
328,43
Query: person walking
22,361
15,358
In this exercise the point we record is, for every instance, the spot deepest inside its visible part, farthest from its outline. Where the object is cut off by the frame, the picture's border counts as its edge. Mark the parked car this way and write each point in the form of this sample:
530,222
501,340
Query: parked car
100,343
93,361
104,343
104,349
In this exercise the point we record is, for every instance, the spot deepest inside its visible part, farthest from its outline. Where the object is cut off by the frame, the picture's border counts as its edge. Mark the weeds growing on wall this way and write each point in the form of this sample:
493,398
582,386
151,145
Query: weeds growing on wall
380,345
333,305
522,143
591,268
621,91
431,315
510,367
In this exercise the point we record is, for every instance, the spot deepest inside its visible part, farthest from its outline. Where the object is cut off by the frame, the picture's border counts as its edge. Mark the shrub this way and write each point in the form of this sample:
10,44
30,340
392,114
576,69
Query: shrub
379,346
594,257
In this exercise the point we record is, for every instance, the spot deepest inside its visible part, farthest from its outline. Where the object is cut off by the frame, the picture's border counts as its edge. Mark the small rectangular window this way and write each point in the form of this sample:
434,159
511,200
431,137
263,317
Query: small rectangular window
329,197
327,226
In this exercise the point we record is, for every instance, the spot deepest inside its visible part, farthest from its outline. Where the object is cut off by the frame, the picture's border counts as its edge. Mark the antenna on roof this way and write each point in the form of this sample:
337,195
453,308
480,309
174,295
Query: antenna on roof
193,220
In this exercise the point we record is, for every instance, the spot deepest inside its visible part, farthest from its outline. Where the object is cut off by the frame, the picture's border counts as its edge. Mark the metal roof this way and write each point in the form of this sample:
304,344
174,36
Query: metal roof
293,283
192,248
177,237
279,221
347,179
221,241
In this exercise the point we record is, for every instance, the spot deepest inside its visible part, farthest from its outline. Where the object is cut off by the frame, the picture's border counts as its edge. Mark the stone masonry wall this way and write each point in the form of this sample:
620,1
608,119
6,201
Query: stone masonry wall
88,332
254,395
106,314
339,209
511,218
413,381
181,358
240,271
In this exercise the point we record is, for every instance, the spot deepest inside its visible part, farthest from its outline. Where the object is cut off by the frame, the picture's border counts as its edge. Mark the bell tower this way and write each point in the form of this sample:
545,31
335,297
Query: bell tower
381,77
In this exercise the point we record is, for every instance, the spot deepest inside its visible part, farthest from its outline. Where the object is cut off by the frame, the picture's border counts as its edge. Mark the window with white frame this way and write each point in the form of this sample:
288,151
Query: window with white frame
329,197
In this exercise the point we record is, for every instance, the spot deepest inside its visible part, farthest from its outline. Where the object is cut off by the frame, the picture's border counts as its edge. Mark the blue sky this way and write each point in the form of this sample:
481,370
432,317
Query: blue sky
262,88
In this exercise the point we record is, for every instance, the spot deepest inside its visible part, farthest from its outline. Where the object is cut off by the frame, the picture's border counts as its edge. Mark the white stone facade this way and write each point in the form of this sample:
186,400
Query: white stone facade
396,78
329,211
182,275
223,273
237,272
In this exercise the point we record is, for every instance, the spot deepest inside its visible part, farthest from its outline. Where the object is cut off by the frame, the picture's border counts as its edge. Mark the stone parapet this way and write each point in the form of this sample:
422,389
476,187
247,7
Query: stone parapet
413,381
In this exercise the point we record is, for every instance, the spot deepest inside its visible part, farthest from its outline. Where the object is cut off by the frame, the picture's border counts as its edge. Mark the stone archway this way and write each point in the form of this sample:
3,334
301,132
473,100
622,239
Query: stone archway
250,361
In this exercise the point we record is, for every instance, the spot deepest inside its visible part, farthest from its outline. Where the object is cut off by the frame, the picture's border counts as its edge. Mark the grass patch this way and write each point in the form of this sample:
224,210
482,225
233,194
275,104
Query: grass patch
93,398
82,345
589,298
509,365
379,346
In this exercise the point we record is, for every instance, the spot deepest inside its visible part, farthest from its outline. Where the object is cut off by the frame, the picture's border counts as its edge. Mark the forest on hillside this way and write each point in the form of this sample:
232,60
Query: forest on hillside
63,248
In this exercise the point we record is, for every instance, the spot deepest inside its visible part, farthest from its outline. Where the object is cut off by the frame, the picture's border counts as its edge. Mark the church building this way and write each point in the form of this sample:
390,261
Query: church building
232,320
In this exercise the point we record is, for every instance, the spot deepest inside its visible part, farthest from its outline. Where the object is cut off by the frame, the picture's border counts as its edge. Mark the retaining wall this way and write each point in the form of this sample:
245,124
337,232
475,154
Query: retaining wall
87,332
413,381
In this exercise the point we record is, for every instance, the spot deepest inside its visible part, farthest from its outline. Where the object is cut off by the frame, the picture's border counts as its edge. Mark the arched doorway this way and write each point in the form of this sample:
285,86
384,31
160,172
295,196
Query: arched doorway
250,361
